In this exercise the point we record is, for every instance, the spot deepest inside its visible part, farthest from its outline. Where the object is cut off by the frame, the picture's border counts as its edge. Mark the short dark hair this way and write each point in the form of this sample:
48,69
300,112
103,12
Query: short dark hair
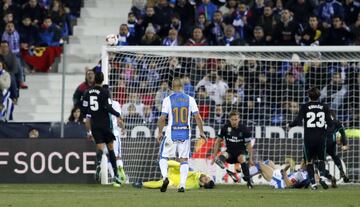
209,185
314,93
99,77
234,113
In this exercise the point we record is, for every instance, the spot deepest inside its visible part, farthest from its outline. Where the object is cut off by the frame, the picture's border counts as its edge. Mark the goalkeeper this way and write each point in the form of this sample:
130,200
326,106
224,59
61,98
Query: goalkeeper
194,180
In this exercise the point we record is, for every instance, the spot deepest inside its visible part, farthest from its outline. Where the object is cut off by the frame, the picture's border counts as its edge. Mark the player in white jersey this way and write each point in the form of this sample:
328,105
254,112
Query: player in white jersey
279,178
179,108
118,132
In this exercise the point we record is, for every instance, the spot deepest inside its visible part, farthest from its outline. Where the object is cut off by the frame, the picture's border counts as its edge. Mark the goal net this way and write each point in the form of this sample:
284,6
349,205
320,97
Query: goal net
265,84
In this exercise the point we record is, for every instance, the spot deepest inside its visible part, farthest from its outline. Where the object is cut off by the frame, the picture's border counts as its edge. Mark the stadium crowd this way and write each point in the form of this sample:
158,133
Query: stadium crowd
25,24
242,22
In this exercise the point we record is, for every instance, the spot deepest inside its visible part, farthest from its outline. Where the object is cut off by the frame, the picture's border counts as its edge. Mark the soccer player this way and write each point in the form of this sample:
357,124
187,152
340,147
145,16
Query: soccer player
279,178
117,143
316,116
331,145
194,180
238,146
97,103
178,107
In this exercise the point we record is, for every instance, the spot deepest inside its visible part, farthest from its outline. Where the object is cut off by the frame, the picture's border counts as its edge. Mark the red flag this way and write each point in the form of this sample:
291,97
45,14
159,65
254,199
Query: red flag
42,57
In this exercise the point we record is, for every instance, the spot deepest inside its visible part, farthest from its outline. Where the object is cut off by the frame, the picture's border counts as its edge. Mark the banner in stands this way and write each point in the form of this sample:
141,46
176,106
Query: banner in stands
47,161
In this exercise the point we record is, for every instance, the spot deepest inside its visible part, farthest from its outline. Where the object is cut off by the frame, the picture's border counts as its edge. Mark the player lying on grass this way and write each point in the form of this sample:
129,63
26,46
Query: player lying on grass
195,179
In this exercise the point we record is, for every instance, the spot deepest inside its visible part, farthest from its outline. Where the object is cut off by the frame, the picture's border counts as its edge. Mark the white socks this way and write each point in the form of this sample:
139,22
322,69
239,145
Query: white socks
164,168
184,169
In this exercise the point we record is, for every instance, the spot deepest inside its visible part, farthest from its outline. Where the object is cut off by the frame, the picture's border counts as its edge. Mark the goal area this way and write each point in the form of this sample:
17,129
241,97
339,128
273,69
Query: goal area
266,85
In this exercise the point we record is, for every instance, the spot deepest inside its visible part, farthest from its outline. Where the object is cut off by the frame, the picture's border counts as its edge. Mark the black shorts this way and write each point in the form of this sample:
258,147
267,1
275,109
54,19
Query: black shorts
233,156
315,150
103,135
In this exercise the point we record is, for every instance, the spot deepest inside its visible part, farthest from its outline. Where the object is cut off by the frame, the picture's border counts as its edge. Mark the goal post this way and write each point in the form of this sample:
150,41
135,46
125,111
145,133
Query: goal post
265,84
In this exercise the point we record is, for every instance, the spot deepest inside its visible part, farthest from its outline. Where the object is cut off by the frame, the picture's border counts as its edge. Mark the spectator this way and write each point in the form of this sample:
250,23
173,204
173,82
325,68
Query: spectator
28,33
312,32
12,68
11,36
132,117
84,86
151,18
317,75
197,39
335,92
327,10
124,36
138,8
207,8
268,23
33,133
153,75
119,93
228,9
291,90
214,32
296,68
289,111
164,12
201,22
76,116
301,9
8,17
215,86
8,6
150,37
5,81
351,11
286,30
33,10
188,87
239,88
163,92
239,21
230,38
49,34
172,39
279,7
133,99
59,17
259,37
148,115
131,23
186,13
355,29
218,118
338,34
255,12
205,104
230,101
182,30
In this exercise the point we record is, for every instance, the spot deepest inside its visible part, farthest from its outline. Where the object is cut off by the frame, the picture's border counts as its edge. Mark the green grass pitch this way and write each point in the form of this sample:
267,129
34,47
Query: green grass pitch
30,195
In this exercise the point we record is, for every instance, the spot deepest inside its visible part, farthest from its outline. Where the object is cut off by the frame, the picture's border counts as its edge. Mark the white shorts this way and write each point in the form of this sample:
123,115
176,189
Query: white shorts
169,148
117,146
277,181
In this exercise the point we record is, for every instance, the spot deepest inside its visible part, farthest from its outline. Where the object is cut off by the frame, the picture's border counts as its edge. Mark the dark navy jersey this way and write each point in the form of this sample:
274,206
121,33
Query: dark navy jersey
97,104
316,118
235,138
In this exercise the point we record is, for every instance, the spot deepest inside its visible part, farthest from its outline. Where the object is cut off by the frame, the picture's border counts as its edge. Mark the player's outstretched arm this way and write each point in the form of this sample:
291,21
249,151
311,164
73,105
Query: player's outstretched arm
200,124
88,128
298,119
161,125
216,149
